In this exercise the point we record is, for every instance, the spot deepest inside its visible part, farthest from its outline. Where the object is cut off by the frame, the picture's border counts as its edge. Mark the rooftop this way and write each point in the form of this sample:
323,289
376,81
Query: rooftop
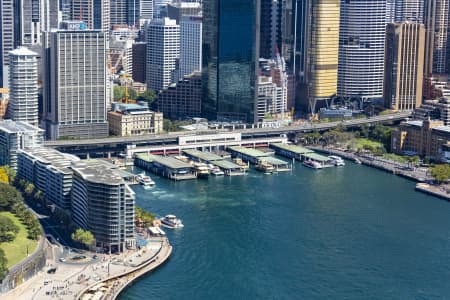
317,157
203,155
445,129
418,123
226,164
274,161
248,151
167,161
98,171
293,148
23,51
52,157
11,126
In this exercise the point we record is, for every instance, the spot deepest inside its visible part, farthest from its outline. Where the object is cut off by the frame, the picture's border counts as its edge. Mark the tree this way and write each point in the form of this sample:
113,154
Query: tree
11,174
28,190
441,172
3,263
143,217
9,196
148,96
3,176
8,230
84,237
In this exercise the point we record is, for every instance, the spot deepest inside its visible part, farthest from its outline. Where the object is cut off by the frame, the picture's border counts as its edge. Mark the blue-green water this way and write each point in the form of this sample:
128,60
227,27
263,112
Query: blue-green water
344,233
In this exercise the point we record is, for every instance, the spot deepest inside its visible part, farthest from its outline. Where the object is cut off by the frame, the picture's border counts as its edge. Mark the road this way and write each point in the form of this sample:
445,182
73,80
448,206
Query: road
164,138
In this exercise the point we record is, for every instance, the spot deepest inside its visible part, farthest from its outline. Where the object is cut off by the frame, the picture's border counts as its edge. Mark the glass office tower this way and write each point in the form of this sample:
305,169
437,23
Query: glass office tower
230,59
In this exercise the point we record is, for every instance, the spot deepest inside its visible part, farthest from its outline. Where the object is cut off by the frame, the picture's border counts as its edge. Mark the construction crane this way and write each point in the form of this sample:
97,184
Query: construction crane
126,78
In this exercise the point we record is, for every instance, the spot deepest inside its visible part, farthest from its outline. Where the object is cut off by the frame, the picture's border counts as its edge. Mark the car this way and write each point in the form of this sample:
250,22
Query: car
95,256
62,259
78,257
51,271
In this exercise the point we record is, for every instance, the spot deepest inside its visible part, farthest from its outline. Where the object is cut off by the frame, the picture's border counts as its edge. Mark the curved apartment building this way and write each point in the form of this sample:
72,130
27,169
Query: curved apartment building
103,204
361,49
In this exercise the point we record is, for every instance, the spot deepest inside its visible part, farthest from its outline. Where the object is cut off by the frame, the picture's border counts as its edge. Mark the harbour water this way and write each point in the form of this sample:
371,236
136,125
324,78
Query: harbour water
343,233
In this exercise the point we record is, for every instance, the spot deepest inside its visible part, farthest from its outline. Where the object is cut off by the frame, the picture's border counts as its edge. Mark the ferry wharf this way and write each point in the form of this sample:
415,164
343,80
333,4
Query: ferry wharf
166,166
228,167
255,157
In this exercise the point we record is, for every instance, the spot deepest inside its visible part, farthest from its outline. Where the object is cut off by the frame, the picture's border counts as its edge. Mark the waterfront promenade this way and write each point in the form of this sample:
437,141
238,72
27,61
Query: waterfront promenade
404,170
71,281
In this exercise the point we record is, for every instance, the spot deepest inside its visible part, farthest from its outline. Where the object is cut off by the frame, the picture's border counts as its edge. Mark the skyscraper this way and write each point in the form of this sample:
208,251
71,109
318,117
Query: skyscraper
23,85
75,88
403,79
163,50
190,45
361,49
33,17
409,10
6,38
317,48
118,12
270,27
230,59
101,15
83,10
146,10
436,36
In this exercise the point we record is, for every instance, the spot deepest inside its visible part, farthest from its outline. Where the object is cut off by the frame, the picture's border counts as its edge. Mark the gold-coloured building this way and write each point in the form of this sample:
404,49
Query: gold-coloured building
404,56
321,48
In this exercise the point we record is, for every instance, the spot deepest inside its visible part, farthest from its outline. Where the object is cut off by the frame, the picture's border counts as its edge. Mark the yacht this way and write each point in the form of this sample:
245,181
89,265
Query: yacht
312,164
171,221
265,167
202,170
337,161
216,171
145,180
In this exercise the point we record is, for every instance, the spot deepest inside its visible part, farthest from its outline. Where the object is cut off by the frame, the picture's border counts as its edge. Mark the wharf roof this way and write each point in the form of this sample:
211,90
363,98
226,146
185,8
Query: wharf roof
317,157
97,171
203,155
248,151
226,164
274,161
167,161
293,148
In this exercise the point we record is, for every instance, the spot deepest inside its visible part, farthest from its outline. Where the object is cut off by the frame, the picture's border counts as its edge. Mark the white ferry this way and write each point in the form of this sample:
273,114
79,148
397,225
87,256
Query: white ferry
216,171
202,170
265,167
171,221
337,161
145,180
312,164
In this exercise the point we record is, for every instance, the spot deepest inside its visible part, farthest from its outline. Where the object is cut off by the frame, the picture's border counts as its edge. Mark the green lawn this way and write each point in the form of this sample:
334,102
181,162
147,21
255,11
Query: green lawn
362,141
395,157
17,250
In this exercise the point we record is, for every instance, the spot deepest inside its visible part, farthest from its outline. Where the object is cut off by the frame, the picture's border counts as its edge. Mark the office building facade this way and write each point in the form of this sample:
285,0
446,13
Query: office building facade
75,91
163,52
403,81
182,99
190,45
361,50
7,43
23,86
317,59
230,60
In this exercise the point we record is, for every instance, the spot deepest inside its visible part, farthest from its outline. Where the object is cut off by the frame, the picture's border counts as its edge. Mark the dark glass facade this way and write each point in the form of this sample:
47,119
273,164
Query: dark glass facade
230,58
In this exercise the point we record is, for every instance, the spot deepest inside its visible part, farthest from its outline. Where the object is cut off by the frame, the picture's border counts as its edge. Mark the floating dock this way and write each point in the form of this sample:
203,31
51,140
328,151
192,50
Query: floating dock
228,167
166,166
255,156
